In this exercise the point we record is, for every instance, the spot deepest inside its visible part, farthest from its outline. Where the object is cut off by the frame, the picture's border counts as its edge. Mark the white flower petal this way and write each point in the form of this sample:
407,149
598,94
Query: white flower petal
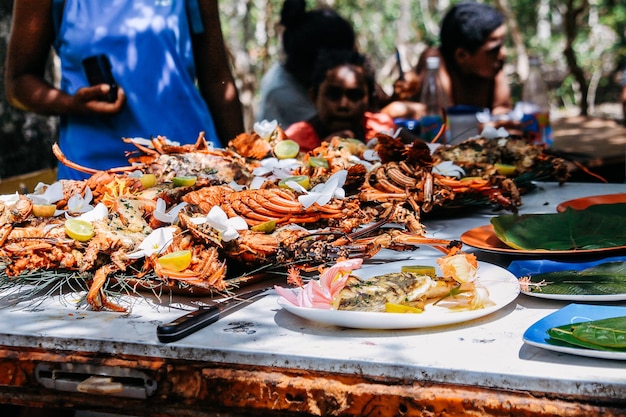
230,234
296,186
262,170
502,132
489,132
155,242
307,200
237,223
99,212
217,214
265,128
257,183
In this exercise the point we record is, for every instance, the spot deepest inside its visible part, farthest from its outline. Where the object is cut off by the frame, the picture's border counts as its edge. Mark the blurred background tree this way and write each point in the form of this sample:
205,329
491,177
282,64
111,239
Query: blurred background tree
582,44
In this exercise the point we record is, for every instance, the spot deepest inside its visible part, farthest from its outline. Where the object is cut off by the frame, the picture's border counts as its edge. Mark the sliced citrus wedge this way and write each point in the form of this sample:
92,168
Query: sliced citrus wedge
420,269
318,162
184,181
505,169
176,261
80,230
265,227
401,308
303,180
44,210
286,149
148,180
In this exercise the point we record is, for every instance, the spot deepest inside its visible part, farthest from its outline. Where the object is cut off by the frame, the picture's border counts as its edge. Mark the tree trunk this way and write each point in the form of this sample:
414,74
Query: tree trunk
571,20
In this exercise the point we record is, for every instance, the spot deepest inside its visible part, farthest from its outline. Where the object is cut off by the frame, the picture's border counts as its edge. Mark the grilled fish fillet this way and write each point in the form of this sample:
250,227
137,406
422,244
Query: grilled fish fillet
399,288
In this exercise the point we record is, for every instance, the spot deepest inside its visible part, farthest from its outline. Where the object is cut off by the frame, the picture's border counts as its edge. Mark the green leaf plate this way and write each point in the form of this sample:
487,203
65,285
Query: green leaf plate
537,334
597,227
603,282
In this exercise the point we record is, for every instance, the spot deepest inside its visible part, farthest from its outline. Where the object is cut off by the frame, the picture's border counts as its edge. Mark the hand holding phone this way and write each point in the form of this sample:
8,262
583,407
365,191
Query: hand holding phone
98,71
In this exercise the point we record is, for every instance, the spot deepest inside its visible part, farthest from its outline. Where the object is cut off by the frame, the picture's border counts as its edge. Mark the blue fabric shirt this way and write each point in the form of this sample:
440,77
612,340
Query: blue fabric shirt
149,45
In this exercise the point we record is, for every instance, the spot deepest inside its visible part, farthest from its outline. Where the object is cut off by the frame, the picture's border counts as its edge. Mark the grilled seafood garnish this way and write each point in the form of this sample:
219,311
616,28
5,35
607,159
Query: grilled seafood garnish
405,288
478,156
167,161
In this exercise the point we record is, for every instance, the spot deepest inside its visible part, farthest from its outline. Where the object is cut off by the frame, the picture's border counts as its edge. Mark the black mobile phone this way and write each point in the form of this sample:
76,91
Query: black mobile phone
98,71
399,64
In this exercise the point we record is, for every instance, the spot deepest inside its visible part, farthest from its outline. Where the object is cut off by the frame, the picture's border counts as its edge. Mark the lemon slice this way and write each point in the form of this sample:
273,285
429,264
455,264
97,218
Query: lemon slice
265,227
176,261
286,149
80,230
318,162
505,169
148,180
303,180
44,210
184,181
420,269
401,308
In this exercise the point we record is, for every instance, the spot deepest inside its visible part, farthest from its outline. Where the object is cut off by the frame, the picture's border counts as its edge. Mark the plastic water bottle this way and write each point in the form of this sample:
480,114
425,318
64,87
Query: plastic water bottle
432,96
536,107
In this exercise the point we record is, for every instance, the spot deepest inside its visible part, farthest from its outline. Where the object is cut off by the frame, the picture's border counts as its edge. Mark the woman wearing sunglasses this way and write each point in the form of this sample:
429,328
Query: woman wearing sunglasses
343,91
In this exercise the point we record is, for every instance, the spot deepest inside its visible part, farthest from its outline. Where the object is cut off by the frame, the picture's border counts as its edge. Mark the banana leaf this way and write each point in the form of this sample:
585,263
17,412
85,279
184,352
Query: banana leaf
605,279
597,227
606,334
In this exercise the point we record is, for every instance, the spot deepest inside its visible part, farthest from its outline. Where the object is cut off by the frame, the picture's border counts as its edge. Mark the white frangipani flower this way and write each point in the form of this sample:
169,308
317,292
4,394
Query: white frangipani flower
257,183
217,219
167,217
449,169
490,132
48,194
323,193
99,212
79,204
356,160
156,242
371,155
265,128
281,168
10,199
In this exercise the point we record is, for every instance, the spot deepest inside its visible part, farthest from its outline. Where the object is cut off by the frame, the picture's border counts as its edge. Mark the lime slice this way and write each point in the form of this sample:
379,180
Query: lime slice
286,149
265,227
176,261
318,162
420,269
303,180
148,180
44,210
401,308
80,230
184,181
505,169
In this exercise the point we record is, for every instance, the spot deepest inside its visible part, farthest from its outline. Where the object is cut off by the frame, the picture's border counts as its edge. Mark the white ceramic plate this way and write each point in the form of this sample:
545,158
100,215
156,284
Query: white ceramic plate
502,285
537,334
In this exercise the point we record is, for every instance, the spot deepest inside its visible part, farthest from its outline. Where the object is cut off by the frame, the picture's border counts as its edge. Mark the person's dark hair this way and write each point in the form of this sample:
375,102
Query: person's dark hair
467,26
307,32
333,58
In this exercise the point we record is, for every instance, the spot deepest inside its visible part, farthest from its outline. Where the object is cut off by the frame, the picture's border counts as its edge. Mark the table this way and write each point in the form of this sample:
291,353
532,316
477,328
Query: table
262,360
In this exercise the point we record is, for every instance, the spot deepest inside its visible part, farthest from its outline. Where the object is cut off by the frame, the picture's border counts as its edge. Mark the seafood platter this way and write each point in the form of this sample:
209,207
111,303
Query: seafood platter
202,220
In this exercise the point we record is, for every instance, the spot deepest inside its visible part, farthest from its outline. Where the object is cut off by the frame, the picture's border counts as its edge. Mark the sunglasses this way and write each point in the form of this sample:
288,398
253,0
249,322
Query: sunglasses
336,93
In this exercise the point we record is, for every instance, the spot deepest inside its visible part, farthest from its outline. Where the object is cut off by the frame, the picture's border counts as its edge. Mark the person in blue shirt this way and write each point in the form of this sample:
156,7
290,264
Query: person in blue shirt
167,57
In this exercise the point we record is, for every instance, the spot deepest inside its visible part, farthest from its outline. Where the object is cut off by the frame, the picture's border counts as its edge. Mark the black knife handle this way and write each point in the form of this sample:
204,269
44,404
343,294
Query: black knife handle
187,324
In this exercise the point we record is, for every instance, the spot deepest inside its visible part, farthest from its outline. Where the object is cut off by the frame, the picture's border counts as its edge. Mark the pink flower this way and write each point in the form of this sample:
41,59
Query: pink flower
321,293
